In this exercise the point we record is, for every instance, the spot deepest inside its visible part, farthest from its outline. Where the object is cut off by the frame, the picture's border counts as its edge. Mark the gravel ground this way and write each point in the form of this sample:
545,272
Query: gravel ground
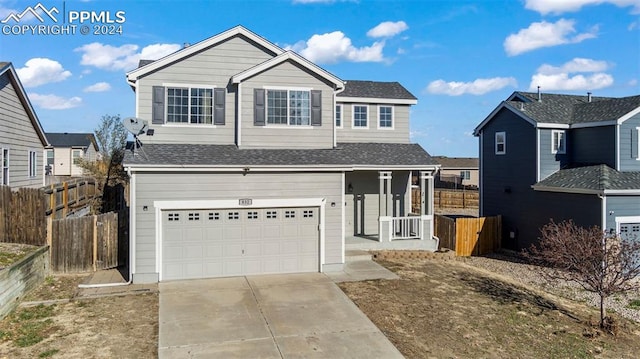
510,265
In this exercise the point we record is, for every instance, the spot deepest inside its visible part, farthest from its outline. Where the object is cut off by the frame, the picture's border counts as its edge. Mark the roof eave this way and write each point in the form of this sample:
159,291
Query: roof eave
502,105
377,100
133,75
567,190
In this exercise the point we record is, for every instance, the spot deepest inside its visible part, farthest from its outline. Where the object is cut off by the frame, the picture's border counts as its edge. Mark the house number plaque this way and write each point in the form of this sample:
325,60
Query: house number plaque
245,201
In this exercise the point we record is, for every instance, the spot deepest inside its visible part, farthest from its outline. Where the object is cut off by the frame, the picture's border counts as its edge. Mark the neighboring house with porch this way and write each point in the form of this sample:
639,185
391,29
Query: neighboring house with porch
548,156
22,140
256,161
66,149
457,172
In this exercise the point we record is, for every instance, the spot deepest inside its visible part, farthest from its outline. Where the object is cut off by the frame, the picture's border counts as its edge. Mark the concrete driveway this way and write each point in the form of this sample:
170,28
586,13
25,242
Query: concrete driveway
274,316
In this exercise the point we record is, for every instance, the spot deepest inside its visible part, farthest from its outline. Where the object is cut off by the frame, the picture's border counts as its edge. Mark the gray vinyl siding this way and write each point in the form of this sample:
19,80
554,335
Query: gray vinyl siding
399,134
630,158
621,206
211,67
286,75
593,145
363,206
551,162
18,134
152,186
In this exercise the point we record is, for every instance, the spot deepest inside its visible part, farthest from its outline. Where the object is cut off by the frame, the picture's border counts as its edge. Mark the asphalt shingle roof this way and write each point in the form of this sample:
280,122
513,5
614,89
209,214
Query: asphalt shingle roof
345,154
457,162
70,139
144,62
598,178
375,89
570,109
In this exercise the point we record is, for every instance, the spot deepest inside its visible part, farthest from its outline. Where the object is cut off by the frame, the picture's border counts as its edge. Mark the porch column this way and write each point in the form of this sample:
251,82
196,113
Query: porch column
385,206
427,205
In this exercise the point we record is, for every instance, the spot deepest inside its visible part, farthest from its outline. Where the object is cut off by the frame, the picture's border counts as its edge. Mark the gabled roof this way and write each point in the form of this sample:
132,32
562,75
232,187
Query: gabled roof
287,56
72,139
457,162
599,179
345,155
7,68
567,111
132,76
367,91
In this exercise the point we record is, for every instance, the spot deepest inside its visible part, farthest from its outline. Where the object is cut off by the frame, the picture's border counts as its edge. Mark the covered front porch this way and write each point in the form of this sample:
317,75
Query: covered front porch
379,212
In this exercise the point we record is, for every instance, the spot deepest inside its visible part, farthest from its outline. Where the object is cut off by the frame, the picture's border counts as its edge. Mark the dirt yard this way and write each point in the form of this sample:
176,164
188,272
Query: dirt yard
123,326
451,310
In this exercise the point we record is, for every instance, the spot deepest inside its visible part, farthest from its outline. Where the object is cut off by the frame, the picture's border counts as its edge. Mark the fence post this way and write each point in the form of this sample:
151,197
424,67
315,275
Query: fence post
65,198
49,231
95,242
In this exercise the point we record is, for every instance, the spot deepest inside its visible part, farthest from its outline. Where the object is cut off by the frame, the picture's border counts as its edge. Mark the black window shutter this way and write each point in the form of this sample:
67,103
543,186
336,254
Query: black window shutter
316,108
634,143
218,106
157,111
258,107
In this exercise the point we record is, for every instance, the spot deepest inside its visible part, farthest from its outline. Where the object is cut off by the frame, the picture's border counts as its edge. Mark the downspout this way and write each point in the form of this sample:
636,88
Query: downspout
105,285
335,103
603,211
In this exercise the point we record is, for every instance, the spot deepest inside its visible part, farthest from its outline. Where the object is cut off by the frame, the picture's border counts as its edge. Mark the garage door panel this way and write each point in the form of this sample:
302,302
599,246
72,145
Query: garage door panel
231,242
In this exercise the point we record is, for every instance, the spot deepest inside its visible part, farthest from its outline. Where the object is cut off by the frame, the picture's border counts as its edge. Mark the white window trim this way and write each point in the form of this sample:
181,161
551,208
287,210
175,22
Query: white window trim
32,164
353,117
564,142
625,219
341,116
393,118
189,86
287,125
504,136
2,179
638,145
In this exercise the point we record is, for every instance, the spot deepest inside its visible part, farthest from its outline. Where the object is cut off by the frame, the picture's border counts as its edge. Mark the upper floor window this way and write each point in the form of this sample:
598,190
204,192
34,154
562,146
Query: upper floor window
189,105
291,107
32,164
360,116
501,143
5,166
385,115
339,116
558,141
465,175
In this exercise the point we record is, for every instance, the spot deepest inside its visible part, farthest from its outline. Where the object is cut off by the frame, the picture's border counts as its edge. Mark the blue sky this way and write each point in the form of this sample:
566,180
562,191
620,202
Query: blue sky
460,58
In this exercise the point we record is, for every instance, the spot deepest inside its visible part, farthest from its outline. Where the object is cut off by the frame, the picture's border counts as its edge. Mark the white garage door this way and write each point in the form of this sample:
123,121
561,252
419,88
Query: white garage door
231,242
630,231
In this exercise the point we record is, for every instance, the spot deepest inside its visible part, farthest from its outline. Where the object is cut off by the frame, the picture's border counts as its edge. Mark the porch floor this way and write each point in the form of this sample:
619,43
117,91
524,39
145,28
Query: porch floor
371,243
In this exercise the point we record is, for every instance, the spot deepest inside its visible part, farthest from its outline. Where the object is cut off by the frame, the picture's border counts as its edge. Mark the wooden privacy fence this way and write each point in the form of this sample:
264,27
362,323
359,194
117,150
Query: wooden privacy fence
88,243
447,198
469,236
22,216
65,197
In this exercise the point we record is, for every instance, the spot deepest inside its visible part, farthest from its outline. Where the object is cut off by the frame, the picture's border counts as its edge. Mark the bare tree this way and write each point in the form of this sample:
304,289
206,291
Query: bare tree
111,138
601,263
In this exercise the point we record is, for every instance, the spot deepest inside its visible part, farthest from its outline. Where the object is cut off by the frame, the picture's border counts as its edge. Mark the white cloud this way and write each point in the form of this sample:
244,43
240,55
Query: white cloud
477,87
388,29
124,57
98,87
545,34
53,102
632,82
39,71
334,47
545,7
570,76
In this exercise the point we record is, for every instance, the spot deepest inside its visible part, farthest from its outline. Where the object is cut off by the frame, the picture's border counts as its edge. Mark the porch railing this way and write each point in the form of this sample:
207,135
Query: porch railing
405,228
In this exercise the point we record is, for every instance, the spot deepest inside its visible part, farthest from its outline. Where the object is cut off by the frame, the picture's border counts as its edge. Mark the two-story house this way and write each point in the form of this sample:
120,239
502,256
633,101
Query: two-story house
547,156
22,140
257,160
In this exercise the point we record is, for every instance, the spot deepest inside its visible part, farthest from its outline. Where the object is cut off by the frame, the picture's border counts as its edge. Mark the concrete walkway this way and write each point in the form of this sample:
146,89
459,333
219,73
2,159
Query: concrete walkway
274,316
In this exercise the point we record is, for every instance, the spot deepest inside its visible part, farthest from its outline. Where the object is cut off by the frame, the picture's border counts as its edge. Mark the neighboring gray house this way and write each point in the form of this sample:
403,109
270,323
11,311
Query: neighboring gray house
259,161
457,172
66,149
560,157
22,139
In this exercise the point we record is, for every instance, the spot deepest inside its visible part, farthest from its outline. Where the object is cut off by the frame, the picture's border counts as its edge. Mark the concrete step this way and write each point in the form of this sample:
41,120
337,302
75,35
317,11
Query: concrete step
354,255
